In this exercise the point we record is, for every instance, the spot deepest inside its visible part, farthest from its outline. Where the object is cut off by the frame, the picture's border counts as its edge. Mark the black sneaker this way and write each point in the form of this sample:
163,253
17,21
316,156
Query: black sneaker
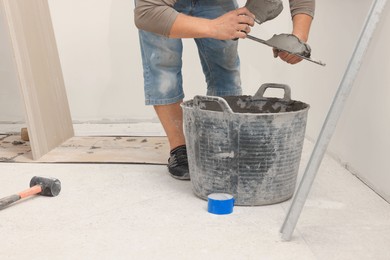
178,163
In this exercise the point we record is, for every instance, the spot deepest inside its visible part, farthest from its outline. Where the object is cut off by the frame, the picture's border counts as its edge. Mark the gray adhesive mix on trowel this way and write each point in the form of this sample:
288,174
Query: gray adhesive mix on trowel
290,43
247,146
265,10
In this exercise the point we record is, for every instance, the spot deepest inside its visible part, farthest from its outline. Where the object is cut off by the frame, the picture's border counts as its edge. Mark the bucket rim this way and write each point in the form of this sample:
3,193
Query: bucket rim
186,105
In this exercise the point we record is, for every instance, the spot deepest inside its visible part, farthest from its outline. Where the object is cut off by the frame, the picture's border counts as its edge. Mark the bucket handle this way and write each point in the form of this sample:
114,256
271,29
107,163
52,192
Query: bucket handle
262,89
222,102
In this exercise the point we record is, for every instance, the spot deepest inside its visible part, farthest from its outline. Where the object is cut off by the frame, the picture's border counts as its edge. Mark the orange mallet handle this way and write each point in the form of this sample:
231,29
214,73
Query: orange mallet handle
5,202
31,191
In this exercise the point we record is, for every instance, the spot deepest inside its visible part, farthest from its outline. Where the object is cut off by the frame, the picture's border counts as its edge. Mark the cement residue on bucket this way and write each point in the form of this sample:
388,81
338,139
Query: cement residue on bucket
247,146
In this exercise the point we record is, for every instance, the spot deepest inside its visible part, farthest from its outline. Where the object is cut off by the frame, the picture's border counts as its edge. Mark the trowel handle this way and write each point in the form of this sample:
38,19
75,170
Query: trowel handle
222,102
263,88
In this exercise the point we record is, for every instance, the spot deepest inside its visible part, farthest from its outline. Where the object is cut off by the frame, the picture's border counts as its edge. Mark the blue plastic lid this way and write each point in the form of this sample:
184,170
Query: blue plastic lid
220,203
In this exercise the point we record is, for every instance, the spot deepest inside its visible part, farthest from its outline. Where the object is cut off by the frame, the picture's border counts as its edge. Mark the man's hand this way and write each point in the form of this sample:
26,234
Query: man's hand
232,25
287,57
301,28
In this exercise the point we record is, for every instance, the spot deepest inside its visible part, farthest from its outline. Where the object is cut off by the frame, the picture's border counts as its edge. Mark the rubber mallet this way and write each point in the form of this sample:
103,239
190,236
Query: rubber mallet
38,185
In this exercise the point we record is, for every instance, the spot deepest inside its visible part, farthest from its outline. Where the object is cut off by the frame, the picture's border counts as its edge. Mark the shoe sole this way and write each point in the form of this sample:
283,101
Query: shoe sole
182,178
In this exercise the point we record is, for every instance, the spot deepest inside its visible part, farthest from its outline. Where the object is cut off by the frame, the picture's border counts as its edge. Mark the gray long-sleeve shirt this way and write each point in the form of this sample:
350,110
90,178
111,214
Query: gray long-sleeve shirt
158,16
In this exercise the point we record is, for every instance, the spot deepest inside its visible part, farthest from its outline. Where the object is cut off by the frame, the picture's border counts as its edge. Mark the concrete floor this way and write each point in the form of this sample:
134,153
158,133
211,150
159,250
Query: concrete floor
124,211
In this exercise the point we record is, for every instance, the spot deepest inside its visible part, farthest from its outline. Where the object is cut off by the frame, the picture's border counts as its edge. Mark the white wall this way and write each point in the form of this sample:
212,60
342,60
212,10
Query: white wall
362,138
99,52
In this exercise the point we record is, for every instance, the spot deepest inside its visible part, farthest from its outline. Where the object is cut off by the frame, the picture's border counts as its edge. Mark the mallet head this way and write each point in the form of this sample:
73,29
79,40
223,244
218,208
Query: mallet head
50,186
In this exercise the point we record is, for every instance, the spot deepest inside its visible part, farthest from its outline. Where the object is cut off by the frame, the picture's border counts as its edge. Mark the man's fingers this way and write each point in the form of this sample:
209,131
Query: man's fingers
276,52
239,35
244,28
245,12
245,17
246,20
289,58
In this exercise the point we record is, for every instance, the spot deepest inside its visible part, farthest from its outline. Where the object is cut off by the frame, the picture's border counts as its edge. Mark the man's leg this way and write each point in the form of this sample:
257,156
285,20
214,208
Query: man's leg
171,118
161,58
220,60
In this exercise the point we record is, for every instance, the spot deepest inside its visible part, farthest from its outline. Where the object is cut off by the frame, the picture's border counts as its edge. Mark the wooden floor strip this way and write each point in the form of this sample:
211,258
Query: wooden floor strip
105,149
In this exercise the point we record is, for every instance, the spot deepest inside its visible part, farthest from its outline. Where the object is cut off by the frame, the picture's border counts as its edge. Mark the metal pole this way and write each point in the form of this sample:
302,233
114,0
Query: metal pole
331,119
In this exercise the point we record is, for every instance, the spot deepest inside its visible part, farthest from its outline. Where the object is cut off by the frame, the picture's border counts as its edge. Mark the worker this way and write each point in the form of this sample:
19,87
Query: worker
214,24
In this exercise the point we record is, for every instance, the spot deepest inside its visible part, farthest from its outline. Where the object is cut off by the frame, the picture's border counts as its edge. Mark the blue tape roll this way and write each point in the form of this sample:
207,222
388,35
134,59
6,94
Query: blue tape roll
220,203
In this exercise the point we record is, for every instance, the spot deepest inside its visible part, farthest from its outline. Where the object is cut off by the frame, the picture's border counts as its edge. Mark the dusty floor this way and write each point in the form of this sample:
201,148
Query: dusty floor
123,211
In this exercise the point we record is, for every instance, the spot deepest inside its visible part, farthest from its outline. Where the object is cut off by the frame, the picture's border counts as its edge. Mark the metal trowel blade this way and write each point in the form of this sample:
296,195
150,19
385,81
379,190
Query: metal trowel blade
270,45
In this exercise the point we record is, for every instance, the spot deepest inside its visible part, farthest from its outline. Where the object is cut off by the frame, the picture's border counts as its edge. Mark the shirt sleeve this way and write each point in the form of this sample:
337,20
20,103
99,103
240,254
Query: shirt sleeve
302,7
155,16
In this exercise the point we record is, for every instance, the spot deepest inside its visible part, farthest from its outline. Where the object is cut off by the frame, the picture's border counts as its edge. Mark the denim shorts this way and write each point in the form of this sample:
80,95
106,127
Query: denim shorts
162,58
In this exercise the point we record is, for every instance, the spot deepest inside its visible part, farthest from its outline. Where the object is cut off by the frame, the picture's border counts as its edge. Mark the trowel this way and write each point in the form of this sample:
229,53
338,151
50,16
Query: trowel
290,44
